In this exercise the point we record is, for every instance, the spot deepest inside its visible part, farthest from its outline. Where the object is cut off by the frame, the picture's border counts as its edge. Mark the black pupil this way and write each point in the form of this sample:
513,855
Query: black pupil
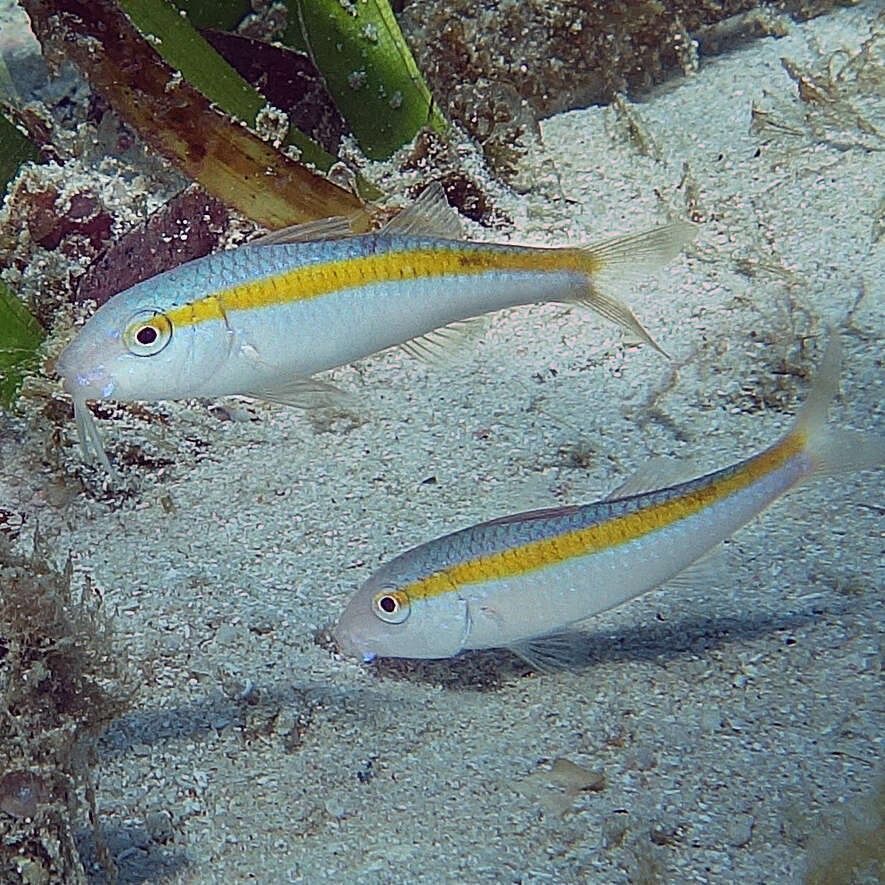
387,604
146,335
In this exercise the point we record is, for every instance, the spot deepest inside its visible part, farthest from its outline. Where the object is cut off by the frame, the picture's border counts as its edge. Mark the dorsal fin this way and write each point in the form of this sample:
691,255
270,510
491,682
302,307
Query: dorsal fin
430,215
658,473
335,227
531,515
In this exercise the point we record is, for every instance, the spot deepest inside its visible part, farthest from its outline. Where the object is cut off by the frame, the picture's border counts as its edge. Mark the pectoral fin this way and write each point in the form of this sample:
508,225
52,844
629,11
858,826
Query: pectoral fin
556,651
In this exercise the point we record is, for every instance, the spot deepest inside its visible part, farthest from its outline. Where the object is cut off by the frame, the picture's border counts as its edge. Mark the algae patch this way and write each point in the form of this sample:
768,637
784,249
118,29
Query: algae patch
60,686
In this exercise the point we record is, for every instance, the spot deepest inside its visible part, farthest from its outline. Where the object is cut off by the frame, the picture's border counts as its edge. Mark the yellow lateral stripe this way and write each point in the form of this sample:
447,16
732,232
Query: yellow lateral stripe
314,280
595,538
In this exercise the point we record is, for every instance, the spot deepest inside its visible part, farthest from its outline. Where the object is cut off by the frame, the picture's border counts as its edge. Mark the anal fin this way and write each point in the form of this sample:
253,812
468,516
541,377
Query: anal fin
439,346
708,571
303,393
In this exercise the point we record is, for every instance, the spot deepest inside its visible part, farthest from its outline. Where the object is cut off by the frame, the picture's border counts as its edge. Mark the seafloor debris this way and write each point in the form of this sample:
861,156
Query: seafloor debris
559,787
536,59
178,122
563,55
187,227
849,849
60,685
836,101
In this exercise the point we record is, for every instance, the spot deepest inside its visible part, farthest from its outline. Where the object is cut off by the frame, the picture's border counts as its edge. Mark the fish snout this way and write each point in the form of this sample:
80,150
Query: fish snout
351,645
83,372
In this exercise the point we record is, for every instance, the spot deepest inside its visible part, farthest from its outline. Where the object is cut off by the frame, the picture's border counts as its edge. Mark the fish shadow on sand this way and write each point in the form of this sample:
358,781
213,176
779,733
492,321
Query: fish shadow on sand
139,859
484,671
142,860
583,650
138,731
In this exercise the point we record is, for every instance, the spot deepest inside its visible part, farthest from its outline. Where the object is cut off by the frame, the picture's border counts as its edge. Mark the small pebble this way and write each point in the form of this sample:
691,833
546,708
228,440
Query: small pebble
159,826
21,793
335,807
227,634
663,833
32,872
711,719
798,823
740,830
642,760
614,829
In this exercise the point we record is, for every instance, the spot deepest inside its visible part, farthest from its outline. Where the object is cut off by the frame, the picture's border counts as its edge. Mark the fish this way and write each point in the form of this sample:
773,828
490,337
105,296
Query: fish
262,319
527,579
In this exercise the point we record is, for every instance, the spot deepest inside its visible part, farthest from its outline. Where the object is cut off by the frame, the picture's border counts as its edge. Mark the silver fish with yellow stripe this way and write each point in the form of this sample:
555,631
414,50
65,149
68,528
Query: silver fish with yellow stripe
262,319
507,582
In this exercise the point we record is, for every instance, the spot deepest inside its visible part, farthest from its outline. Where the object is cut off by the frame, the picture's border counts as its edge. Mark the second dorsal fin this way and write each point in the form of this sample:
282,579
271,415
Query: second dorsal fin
430,215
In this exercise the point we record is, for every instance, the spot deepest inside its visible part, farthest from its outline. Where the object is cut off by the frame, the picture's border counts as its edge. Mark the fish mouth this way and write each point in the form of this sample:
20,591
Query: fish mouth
345,644
83,378
350,646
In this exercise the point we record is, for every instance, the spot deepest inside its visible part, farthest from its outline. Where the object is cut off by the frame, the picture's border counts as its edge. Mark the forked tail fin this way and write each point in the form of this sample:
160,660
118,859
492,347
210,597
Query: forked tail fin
832,449
617,262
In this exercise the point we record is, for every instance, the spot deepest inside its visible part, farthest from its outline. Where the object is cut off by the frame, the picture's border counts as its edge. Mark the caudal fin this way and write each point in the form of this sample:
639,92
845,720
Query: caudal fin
619,261
643,252
832,449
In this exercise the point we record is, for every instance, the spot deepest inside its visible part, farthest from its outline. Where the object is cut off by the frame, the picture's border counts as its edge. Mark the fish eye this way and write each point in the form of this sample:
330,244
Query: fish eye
148,332
392,606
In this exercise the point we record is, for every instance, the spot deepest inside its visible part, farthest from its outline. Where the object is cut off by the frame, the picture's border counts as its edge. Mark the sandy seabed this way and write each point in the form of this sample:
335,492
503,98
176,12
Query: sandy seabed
724,717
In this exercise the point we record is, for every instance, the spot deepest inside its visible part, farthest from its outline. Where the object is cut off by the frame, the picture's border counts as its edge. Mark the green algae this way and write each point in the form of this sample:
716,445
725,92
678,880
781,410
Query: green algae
20,338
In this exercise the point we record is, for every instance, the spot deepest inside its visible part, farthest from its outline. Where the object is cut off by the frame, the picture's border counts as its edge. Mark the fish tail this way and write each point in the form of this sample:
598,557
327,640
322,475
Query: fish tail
619,260
642,252
832,449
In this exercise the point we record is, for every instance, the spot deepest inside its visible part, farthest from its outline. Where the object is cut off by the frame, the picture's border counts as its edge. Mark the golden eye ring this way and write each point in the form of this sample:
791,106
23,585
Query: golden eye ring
391,606
148,332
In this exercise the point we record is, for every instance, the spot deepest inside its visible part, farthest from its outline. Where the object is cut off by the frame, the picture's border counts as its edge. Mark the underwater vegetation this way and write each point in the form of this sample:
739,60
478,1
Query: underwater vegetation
369,72
20,333
849,845
497,67
20,336
176,87
15,148
179,122
61,684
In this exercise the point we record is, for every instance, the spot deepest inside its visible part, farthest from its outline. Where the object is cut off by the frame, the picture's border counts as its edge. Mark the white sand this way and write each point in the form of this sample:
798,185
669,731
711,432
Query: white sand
724,717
